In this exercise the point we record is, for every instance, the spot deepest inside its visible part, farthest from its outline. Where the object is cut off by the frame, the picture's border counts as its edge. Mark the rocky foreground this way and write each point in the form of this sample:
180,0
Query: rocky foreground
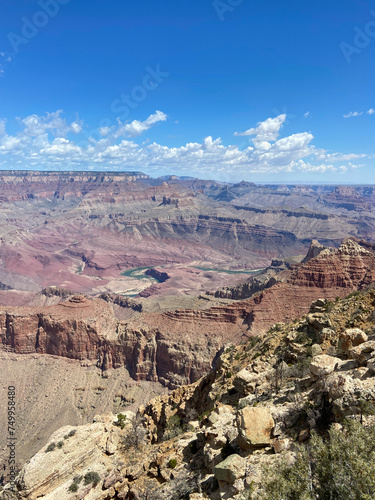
212,439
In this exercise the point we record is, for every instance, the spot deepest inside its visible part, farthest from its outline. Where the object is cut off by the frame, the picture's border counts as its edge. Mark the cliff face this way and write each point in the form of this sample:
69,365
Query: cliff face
211,439
178,347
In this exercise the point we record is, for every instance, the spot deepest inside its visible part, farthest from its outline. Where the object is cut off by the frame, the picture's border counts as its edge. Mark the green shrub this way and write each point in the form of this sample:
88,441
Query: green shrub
173,427
73,487
50,447
342,466
91,478
72,433
60,444
172,463
121,420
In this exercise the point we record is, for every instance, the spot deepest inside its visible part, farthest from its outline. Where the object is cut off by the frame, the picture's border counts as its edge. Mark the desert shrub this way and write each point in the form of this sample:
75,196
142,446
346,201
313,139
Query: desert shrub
342,466
60,444
173,427
121,421
72,433
172,463
91,478
50,447
73,487
136,436
328,306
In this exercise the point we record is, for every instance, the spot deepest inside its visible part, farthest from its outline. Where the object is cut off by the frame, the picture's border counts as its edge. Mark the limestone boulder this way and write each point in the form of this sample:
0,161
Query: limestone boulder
351,337
231,469
323,365
363,352
255,427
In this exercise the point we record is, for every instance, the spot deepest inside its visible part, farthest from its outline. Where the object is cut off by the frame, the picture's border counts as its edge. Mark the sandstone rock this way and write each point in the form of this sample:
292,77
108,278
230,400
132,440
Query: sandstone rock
47,472
231,469
338,384
360,372
112,443
319,321
327,334
255,427
280,445
323,365
351,337
111,479
246,381
316,350
363,352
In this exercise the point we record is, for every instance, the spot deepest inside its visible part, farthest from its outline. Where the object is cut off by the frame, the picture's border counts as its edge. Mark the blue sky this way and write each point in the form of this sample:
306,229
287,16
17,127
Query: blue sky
225,89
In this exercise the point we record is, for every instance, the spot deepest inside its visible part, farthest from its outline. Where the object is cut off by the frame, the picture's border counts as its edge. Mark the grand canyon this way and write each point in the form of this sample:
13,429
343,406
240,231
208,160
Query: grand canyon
117,288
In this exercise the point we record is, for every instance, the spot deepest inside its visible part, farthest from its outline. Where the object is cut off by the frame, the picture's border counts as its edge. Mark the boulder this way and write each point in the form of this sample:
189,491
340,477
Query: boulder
323,365
318,321
231,469
255,427
316,350
363,352
327,334
338,385
246,381
351,337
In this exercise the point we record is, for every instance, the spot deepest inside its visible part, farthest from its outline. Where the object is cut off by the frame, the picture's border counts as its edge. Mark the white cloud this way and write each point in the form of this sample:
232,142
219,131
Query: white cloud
34,148
352,114
38,125
267,130
307,114
136,127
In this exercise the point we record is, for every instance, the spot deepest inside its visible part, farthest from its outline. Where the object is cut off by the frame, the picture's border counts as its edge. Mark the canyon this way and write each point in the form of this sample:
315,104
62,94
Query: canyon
116,287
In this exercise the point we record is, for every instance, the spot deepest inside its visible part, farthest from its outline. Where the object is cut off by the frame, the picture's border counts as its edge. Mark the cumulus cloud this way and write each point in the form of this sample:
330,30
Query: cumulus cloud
136,127
43,144
52,122
267,130
371,111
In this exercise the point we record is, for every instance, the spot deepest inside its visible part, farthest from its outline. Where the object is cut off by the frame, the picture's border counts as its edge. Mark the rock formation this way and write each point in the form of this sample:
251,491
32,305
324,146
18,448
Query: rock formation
211,439
163,347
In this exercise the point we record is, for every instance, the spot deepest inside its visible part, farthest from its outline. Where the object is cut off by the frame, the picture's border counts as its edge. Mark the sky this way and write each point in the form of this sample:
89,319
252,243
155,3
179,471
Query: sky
218,89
